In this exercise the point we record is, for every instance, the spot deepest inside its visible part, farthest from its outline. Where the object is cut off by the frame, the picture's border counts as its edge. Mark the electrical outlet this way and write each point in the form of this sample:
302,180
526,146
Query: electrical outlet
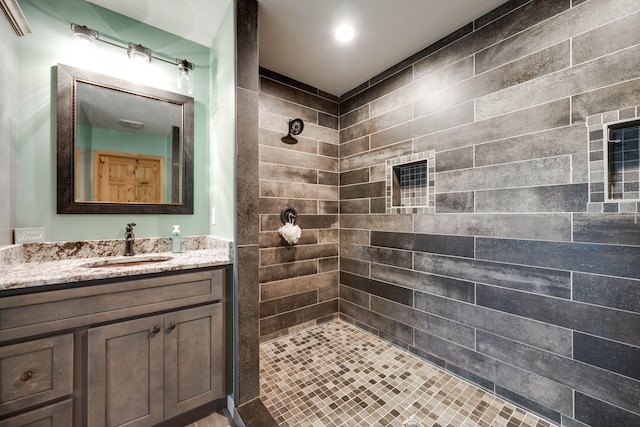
213,216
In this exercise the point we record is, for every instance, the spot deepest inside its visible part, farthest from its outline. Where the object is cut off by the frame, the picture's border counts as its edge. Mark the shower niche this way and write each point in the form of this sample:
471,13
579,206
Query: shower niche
614,161
410,183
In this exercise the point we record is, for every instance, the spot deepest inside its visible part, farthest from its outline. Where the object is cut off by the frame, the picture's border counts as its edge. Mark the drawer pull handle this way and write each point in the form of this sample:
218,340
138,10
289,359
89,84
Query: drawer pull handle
171,326
155,329
26,376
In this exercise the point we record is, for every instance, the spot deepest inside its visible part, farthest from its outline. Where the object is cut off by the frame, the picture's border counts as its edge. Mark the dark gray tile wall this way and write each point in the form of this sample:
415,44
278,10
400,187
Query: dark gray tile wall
511,284
247,375
299,283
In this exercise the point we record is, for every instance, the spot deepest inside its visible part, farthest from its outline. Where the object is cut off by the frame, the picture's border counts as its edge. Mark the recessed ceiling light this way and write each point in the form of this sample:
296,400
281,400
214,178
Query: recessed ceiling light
344,33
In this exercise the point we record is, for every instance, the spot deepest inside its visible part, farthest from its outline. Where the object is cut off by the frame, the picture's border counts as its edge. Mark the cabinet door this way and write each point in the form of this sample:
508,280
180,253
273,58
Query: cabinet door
124,373
56,415
194,358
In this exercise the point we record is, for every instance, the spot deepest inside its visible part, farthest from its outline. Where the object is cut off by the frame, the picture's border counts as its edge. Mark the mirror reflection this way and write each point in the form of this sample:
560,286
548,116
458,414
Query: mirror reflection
128,148
122,147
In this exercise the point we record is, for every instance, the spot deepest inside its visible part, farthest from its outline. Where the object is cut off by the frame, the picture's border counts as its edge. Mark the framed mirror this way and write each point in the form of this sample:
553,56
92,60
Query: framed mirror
123,148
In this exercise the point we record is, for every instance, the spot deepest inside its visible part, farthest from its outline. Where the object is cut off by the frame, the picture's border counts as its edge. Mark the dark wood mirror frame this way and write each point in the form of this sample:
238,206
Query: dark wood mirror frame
66,78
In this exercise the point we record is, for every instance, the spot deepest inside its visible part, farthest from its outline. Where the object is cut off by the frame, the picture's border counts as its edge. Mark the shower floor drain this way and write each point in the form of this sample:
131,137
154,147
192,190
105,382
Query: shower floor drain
411,423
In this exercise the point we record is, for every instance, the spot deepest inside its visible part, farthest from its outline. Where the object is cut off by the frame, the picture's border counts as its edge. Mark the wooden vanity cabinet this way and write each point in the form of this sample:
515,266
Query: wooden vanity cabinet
144,371
135,351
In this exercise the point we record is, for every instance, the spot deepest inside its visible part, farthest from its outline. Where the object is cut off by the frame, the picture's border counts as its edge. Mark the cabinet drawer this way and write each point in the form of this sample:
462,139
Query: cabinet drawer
49,311
35,372
57,415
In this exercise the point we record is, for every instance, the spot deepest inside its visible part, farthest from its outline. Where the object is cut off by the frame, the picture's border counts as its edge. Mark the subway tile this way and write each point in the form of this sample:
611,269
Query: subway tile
269,325
356,146
376,322
383,87
273,137
614,292
461,158
293,190
524,226
570,422
474,379
354,237
328,235
541,117
546,143
297,284
287,271
597,413
326,149
297,96
360,191
462,246
375,287
432,284
428,357
580,168
531,279
355,116
328,120
265,72
498,12
272,239
285,157
612,356
435,325
328,207
385,256
600,321
610,387
328,264
357,176
377,156
535,387
288,174
398,222
273,103
354,266
455,116
273,206
377,123
355,296
308,222
358,206
606,39
605,99
538,334
493,82
548,171
559,27
455,202
529,404
551,198
583,257
619,229
582,78
288,303
270,256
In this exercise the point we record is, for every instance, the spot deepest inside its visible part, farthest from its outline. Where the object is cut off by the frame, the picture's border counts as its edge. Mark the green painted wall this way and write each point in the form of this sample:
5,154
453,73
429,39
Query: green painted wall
222,161
52,43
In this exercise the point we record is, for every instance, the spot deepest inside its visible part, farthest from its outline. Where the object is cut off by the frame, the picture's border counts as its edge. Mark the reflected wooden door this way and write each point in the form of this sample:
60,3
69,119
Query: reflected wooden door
127,178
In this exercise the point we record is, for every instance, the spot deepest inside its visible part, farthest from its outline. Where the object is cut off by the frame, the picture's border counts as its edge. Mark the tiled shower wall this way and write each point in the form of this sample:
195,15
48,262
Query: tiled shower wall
511,283
299,283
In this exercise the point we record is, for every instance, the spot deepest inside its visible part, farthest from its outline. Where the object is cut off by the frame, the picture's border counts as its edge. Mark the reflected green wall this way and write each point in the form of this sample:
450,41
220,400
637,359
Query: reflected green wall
51,43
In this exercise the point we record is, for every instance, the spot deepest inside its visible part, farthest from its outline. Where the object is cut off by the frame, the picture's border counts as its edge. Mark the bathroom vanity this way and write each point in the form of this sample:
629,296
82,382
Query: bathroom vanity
133,343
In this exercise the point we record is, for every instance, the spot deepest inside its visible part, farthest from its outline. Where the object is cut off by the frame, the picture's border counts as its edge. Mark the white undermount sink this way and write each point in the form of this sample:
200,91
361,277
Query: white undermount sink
128,261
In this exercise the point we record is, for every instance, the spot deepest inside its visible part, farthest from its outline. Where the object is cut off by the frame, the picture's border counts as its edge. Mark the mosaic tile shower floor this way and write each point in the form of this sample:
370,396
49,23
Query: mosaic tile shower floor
335,374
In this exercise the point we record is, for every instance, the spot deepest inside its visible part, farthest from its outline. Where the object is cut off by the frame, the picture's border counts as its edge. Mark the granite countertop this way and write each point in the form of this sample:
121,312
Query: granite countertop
41,264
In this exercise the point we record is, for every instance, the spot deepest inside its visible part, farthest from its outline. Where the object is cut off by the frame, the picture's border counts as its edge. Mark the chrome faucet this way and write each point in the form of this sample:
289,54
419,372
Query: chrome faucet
129,238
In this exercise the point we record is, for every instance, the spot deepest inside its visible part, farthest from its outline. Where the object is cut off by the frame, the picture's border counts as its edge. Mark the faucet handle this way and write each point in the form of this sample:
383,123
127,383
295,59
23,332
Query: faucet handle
130,226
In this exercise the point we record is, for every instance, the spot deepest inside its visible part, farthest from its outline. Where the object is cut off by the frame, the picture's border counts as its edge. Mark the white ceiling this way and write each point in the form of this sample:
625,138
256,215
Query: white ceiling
296,37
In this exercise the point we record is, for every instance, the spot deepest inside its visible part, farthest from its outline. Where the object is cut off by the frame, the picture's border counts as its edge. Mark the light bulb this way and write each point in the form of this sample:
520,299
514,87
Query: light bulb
185,75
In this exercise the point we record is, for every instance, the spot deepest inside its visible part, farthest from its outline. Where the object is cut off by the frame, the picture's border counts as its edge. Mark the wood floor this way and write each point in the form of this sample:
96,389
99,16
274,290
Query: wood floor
218,419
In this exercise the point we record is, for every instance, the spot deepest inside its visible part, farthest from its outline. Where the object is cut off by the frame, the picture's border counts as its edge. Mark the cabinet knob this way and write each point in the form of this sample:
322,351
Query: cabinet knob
156,329
171,326
26,376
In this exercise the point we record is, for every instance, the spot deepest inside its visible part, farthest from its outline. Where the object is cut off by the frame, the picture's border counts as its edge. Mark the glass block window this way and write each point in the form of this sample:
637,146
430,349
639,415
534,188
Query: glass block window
614,161
410,183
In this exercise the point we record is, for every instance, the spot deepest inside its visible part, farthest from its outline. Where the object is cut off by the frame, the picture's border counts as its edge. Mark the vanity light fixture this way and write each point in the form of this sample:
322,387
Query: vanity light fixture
138,53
